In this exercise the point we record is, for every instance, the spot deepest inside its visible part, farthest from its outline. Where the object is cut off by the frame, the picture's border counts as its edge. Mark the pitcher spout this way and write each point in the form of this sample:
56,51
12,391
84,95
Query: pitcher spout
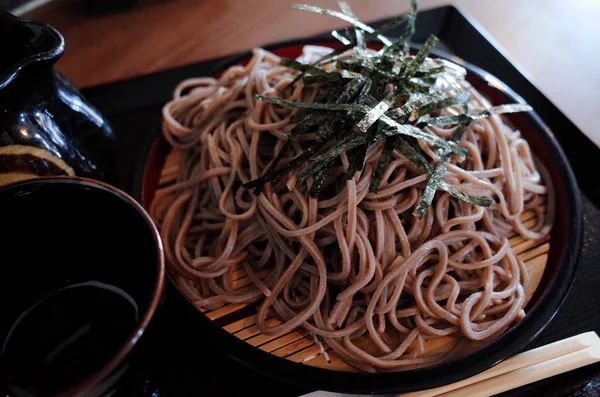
26,43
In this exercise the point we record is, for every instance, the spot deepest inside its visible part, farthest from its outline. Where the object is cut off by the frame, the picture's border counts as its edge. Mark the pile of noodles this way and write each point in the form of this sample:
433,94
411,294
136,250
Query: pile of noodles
350,265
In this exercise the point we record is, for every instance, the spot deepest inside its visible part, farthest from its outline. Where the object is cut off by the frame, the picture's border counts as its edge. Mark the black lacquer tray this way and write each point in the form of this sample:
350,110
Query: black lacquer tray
134,106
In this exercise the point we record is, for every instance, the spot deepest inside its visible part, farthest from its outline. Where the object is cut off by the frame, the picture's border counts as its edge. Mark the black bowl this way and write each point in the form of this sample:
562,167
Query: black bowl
80,259
557,279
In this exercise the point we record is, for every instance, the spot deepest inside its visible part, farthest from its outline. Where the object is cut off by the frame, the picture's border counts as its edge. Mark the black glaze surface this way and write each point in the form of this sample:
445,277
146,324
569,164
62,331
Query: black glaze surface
63,237
134,108
42,108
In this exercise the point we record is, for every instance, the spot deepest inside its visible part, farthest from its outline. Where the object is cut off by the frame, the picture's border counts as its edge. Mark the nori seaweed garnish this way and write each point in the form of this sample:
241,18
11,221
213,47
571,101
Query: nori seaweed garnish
363,108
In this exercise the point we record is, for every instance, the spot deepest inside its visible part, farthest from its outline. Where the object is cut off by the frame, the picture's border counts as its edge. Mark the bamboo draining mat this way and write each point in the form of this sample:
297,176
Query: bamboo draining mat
302,347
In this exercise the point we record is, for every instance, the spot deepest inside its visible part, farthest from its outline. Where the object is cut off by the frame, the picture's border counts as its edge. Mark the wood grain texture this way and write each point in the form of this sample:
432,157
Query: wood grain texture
302,347
555,42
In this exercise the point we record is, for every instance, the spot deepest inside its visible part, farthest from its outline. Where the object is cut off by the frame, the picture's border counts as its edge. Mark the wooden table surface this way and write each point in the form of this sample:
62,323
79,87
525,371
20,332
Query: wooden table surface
555,42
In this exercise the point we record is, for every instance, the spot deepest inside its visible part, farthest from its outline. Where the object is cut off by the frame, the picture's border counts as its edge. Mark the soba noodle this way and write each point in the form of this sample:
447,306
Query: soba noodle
351,264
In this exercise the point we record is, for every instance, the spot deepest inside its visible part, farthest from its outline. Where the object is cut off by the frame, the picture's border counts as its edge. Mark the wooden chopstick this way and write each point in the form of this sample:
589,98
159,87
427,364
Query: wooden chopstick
528,367
524,368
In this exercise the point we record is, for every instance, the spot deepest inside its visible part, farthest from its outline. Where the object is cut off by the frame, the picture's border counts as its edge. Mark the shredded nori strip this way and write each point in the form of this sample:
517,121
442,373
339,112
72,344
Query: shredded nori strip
358,33
501,109
343,17
443,121
403,113
382,163
414,86
313,105
319,179
418,60
429,72
376,112
458,133
410,27
341,38
443,103
364,92
388,26
301,67
474,200
429,193
404,41
352,89
413,155
322,78
356,158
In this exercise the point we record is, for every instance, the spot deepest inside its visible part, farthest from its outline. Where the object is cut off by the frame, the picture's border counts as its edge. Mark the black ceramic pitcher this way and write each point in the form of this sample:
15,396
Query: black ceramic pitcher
46,126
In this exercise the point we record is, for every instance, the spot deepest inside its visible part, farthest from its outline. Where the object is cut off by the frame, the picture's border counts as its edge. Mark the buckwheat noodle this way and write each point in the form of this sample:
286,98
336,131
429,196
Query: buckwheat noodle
352,264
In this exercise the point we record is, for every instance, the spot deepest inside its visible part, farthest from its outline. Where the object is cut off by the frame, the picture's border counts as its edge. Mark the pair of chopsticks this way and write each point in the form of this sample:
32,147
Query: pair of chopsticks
522,369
